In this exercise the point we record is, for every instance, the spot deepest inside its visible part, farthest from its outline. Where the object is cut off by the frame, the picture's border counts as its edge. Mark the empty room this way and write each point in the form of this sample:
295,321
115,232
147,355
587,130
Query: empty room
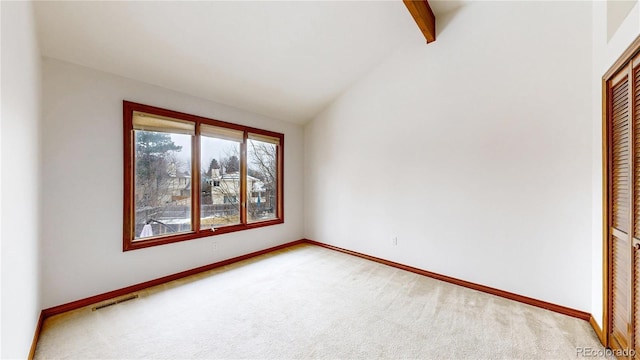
442,179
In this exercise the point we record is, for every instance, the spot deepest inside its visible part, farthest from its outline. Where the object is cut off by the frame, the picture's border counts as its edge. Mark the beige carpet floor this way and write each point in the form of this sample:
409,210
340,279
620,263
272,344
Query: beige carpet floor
307,302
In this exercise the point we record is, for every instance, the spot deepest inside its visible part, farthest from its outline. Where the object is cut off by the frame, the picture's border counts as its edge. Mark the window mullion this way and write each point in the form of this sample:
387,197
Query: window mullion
243,180
195,180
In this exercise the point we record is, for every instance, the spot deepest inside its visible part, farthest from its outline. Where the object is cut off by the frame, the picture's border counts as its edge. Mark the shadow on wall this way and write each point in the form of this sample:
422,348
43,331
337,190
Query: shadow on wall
617,11
445,10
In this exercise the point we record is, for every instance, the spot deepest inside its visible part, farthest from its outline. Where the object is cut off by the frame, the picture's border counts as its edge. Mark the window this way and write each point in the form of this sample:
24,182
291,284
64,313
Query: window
262,179
187,177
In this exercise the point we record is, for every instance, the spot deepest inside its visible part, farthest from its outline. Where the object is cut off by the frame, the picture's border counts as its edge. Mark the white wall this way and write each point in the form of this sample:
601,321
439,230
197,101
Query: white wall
616,12
474,150
605,52
82,189
20,159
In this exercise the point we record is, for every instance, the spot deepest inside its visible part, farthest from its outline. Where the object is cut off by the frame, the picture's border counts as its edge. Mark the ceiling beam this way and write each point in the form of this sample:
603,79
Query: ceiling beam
424,17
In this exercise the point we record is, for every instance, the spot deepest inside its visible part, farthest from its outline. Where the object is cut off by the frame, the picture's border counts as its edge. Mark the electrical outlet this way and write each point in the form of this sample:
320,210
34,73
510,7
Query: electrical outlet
394,240
215,245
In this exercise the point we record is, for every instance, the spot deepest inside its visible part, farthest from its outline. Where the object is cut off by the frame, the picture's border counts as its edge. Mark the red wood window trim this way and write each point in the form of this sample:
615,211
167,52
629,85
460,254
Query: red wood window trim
129,241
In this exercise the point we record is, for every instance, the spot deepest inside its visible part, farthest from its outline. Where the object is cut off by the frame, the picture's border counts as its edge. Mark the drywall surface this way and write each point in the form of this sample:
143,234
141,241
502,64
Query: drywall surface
605,53
20,159
616,12
83,189
474,151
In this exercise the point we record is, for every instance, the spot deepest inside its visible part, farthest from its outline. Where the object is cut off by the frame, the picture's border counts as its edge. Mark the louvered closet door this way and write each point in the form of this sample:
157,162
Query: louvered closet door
635,249
620,210
623,208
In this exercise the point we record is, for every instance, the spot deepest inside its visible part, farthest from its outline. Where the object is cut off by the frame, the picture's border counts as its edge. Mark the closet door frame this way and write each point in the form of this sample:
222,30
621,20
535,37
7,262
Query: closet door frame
629,60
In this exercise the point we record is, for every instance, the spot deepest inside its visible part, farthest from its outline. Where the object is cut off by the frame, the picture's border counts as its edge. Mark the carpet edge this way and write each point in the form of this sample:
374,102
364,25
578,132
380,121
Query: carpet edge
486,289
73,305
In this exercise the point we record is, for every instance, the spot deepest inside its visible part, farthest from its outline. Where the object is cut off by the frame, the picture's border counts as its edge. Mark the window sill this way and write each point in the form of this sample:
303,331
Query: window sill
140,244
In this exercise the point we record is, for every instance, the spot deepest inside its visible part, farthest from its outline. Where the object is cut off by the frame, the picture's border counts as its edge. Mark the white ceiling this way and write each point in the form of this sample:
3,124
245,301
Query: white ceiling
285,60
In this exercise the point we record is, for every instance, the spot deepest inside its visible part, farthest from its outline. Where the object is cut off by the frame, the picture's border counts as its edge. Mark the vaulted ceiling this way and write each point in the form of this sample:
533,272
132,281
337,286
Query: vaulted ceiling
286,60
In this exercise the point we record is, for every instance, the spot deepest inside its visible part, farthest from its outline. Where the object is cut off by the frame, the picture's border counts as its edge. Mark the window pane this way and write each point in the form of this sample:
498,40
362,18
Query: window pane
262,179
162,183
220,184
